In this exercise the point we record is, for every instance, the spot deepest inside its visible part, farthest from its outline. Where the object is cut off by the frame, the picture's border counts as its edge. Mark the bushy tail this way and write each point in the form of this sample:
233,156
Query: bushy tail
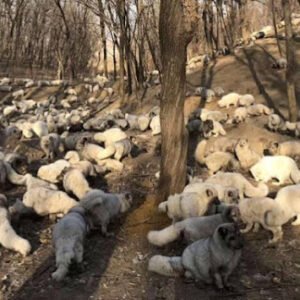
163,207
82,192
144,123
108,152
111,164
268,111
13,176
80,188
167,266
200,152
19,209
61,272
222,130
92,199
234,164
167,235
251,191
22,246
276,217
11,240
99,137
64,257
295,176
61,147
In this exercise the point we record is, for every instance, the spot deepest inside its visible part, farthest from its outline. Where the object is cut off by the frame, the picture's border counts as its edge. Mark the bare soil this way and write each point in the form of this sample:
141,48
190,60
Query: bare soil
116,268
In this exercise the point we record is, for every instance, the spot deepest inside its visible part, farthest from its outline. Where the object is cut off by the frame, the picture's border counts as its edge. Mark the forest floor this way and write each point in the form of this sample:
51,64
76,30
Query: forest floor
116,268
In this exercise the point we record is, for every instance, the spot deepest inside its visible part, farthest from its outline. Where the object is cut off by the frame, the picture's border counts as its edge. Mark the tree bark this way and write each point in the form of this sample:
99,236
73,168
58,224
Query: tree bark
275,27
141,47
128,53
70,61
114,61
103,36
211,29
177,23
218,31
291,62
121,15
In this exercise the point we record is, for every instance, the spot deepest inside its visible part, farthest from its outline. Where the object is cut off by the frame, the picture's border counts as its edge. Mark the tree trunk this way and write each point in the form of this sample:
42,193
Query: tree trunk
103,36
205,23
291,62
155,58
129,72
60,65
115,45
275,27
70,62
141,50
244,20
177,23
211,29
128,54
114,61
226,37
232,24
152,36
121,15
218,31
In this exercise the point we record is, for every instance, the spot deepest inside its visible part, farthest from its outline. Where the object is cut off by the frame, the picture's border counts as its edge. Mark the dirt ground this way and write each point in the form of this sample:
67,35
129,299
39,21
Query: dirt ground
116,267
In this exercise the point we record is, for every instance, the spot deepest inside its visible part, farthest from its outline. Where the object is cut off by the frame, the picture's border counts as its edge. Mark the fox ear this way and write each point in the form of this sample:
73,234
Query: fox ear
227,212
78,209
216,201
242,142
209,193
110,123
3,201
128,197
235,211
84,140
222,231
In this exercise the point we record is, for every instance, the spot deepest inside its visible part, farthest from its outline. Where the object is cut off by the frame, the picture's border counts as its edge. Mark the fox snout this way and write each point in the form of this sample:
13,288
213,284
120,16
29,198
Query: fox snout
215,201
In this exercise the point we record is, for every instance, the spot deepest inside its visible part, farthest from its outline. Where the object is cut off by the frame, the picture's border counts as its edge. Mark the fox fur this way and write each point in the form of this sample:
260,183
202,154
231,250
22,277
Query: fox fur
8,237
68,238
215,161
46,201
193,229
288,200
246,156
282,168
186,205
239,182
210,260
253,211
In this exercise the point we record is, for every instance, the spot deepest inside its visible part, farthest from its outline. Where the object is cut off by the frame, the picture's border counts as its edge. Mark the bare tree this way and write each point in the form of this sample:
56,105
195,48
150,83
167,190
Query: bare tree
291,66
178,20
68,38
34,36
65,37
